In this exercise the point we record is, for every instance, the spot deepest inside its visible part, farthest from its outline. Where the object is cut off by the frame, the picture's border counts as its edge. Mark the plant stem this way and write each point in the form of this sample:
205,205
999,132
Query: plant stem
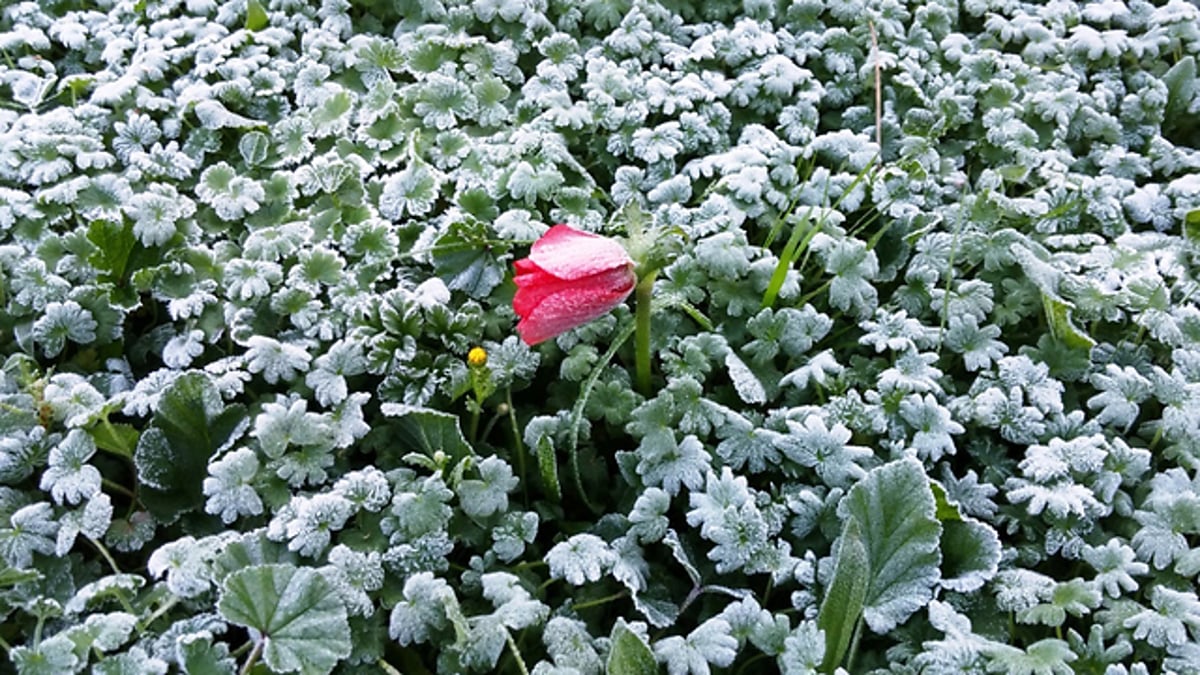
600,601
250,660
107,556
584,392
473,430
512,647
163,609
644,293
118,488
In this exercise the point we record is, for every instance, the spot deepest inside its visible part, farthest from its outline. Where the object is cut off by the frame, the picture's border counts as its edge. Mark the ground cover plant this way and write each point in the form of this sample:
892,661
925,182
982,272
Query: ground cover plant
907,380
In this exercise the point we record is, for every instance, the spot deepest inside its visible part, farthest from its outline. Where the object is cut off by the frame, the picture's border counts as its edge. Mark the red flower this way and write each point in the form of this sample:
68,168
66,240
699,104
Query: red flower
569,278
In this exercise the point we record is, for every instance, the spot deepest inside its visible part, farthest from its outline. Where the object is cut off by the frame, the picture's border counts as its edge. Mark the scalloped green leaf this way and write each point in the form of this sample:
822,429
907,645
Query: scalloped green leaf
895,509
296,614
428,431
970,554
200,656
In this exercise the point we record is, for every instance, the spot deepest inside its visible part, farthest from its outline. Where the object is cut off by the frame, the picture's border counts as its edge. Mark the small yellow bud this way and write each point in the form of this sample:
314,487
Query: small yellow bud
477,357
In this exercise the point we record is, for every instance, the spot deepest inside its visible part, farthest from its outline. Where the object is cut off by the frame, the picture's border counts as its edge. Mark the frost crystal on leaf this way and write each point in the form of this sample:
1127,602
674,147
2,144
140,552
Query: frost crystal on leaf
230,488
582,558
709,644
69,478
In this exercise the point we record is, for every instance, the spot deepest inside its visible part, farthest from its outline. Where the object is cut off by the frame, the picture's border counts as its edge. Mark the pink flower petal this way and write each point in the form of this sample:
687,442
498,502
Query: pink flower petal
555,306
568,253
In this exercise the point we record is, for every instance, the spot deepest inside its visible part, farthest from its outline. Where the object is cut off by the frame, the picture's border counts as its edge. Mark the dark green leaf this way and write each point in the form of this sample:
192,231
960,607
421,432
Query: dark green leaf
1181,88
114,245
190,426
970,554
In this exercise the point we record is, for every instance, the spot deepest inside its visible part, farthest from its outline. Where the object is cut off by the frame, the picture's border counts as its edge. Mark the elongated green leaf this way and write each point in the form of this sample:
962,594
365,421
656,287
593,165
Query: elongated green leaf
894,505
630,655
791,251
256,16
1181,89
297,614
191,424
843,603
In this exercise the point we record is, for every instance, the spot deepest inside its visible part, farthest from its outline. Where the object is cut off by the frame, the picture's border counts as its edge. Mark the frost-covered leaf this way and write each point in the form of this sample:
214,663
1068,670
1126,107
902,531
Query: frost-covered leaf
295,612
895,509
579,559
710,643
488,494
427,604
428,431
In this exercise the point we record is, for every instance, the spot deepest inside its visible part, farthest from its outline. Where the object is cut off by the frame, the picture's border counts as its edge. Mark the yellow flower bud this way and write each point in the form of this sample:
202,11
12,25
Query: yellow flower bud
477,357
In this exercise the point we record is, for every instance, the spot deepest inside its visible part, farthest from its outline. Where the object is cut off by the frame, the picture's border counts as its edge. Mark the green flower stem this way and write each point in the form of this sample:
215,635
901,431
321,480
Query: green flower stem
584,392
644,295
